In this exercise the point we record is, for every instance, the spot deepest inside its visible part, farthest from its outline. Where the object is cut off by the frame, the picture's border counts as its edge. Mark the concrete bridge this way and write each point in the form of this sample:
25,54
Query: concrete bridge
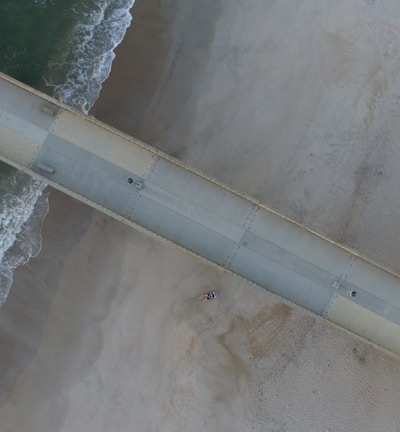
157,194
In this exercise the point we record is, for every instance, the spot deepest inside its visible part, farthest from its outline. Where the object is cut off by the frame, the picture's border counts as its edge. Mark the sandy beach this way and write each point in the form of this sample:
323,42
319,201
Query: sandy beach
104,330
109,334
295,105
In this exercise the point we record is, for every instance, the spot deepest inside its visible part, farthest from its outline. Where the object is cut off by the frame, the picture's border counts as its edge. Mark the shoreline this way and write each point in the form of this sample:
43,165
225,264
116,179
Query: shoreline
105,328
24,314
135,97
144,39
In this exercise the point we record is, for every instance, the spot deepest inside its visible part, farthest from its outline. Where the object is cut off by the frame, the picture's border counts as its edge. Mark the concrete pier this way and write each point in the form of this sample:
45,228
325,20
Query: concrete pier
155,193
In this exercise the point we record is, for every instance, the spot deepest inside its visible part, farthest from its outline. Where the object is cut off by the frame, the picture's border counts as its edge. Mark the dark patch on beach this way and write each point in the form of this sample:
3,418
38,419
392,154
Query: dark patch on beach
264,328
360,354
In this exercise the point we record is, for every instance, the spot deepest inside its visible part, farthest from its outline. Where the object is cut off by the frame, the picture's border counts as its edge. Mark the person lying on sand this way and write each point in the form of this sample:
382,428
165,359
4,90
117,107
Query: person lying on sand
212,295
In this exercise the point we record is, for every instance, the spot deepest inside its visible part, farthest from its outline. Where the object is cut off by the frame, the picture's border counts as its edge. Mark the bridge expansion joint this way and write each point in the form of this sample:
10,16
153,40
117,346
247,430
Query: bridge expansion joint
254,209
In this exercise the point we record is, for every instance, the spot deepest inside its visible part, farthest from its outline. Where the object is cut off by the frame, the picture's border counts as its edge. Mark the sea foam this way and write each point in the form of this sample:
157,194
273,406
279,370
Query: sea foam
22,213
88,53
76,73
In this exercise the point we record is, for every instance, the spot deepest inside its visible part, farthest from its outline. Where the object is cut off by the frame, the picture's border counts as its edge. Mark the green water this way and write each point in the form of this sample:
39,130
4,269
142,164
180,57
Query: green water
30,33
64,48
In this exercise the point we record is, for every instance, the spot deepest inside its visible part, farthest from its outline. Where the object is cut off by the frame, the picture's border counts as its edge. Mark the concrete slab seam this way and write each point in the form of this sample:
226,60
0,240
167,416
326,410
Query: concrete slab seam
253,211
246,226
43,150
152,167
192,254
55,122
328,305
342,277
347,267
37,155
36,142
136,199
132,206
160,154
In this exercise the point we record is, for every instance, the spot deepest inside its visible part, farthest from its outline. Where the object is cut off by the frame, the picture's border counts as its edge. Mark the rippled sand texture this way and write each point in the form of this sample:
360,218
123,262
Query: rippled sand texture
105,331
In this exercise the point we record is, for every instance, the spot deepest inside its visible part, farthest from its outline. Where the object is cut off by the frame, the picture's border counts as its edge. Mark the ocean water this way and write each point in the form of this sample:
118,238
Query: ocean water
64,48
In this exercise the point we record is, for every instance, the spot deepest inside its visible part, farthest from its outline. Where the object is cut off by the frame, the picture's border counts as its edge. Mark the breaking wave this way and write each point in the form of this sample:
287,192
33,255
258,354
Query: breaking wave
23,209
74,75
84,60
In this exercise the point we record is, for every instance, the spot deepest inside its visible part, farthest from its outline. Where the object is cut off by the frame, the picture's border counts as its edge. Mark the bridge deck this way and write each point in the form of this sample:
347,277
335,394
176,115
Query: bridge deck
146,189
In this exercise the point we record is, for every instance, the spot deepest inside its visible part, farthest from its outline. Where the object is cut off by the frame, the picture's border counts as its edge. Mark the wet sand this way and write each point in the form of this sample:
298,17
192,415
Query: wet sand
105,330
